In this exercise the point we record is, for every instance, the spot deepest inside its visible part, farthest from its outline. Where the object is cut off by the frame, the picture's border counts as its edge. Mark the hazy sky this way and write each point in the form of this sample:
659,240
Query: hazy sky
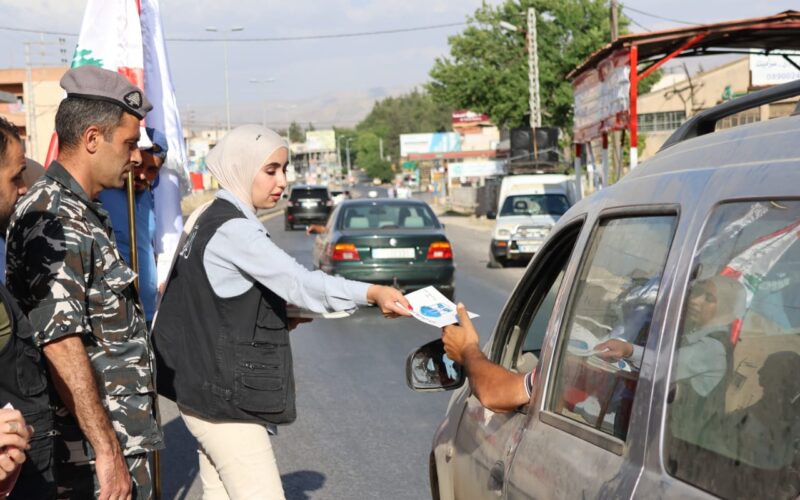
313,74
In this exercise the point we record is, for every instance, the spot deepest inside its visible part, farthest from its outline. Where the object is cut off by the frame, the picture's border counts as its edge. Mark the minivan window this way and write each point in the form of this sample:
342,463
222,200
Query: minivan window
733,419
613,299
535,204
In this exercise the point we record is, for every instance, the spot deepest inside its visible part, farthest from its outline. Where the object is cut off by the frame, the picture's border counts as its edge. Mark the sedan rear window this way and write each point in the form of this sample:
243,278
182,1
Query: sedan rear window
388,216
733,420
304,193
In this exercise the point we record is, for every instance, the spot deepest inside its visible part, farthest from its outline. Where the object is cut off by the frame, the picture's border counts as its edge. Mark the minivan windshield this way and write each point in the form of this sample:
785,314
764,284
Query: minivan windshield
535,204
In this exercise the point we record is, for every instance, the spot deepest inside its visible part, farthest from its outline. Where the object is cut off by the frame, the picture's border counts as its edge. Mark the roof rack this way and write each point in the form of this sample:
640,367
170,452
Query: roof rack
705,122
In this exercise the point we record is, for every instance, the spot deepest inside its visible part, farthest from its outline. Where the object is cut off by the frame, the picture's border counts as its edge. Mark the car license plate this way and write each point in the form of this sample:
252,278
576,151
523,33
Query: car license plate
309,204
528,248
392,253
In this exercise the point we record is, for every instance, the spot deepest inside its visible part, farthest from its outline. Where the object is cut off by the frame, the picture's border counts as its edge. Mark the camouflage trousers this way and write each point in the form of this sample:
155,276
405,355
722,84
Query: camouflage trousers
78,481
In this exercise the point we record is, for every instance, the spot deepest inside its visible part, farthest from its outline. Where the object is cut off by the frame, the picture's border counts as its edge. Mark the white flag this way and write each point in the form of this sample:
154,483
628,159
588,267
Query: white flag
165,118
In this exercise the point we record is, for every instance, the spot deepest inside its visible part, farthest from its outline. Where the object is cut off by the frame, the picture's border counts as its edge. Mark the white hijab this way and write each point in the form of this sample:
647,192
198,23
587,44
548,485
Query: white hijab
235,160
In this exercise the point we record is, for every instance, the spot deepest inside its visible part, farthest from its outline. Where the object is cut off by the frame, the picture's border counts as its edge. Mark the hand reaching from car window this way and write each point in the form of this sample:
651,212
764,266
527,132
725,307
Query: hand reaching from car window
460,337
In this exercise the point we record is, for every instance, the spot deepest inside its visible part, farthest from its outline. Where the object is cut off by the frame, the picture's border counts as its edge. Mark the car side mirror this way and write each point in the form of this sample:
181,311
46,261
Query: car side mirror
285,195
491,214
428,369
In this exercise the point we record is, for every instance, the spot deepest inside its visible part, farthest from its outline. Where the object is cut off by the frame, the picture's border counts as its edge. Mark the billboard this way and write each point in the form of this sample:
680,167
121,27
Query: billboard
602,97
773,69
320,141
466,117
475,169
439,142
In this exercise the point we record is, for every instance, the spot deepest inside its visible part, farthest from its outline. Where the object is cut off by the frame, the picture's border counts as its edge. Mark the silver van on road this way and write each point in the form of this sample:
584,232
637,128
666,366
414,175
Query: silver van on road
694,260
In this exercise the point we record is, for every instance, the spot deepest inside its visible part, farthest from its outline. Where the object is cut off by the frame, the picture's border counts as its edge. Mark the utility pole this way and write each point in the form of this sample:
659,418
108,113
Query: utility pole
30,106
614,18
225,64
347,150
380,143
533,72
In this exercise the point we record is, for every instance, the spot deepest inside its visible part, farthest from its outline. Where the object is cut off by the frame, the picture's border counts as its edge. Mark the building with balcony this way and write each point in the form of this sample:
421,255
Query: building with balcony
37,93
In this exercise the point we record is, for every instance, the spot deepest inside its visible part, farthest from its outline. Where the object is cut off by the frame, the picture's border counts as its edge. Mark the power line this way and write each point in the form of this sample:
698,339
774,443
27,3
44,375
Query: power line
637,23
656,16
266,39
322,37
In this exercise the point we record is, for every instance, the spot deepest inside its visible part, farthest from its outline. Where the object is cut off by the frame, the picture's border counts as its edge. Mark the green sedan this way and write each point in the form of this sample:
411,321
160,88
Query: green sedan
391,242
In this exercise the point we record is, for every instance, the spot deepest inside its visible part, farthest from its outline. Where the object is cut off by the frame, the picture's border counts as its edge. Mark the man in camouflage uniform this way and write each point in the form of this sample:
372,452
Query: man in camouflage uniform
70,279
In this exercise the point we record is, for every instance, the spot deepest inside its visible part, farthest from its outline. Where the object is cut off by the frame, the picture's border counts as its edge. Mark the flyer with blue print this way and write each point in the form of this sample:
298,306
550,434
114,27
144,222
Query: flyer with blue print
433,308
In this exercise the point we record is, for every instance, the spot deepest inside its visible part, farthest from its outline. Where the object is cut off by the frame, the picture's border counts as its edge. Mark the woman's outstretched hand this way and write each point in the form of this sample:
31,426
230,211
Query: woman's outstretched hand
390,300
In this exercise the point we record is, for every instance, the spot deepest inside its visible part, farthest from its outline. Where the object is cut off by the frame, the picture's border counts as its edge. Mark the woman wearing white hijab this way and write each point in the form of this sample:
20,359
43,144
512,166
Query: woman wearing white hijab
222,332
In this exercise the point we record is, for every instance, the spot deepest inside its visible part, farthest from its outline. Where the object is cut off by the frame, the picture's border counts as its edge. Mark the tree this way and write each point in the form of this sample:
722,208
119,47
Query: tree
369,157
296,133
487,69
415,112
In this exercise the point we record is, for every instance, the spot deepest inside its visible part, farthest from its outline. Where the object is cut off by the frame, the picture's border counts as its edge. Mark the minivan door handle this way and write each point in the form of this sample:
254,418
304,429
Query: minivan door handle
496,478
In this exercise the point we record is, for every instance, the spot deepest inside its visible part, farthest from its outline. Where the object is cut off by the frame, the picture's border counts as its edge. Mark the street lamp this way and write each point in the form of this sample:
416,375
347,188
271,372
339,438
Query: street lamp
225,55
533,65
264,113
347,148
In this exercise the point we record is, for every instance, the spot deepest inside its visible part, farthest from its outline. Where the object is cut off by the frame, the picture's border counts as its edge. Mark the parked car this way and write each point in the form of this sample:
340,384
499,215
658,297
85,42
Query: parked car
693,260
391,242
307,204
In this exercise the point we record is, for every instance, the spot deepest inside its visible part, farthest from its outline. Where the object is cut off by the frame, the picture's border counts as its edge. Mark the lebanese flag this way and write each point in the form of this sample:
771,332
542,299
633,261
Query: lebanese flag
753,264
110,38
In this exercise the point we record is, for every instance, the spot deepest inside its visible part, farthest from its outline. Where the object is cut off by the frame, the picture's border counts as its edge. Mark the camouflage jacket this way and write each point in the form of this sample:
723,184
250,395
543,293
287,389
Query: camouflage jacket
64,268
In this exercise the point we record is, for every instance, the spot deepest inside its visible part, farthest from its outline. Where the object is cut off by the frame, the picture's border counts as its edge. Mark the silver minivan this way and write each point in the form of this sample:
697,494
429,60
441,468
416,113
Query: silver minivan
694,258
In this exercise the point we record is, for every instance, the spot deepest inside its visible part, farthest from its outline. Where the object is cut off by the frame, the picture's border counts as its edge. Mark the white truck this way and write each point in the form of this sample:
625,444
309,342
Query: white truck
528,206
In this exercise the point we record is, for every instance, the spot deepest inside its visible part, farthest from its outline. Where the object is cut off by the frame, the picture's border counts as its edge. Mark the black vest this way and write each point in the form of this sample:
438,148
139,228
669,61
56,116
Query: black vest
23,383
222,358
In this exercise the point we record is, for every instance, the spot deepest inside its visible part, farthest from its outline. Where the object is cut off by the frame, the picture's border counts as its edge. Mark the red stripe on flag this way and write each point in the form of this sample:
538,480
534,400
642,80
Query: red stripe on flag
736,330
730,272
52,150
134,75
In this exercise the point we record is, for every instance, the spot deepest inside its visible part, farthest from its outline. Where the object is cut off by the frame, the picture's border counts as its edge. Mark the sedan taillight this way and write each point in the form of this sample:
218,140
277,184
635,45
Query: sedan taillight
345,251
440,250
290,203
329,203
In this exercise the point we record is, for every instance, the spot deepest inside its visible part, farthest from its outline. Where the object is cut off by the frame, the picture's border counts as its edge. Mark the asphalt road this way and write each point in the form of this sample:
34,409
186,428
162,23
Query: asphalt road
360,432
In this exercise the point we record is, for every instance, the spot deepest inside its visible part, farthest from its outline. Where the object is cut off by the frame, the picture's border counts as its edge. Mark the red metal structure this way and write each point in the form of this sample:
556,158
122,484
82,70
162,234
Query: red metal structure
761,35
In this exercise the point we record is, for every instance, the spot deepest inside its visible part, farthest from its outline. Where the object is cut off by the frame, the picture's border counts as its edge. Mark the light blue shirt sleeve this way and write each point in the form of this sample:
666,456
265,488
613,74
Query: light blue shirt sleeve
241,253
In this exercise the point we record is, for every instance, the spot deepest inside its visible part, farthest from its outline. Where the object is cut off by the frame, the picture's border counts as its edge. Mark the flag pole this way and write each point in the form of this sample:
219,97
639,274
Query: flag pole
132,229
135,266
